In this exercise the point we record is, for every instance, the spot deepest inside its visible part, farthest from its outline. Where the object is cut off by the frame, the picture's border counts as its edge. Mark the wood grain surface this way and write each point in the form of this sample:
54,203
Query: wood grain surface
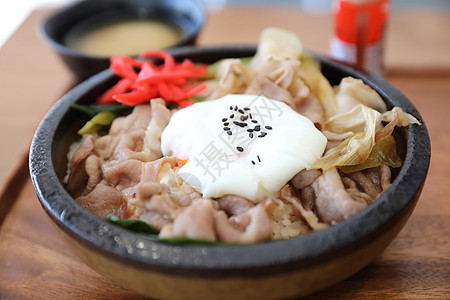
34,262
32,78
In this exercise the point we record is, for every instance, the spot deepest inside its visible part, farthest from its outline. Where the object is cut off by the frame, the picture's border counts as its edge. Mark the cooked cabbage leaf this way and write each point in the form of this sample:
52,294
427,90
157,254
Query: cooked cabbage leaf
352,91
383,153
319,86
355,149
354,120
277,44
367,125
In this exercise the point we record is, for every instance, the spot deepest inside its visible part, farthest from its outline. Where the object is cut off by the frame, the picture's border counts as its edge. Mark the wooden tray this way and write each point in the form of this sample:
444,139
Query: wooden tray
35,264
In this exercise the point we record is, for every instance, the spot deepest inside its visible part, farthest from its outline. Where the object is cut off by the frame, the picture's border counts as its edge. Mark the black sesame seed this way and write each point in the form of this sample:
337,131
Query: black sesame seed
235,108
254,121
245,117
229,132
241,111
250,135
231,116
236,123
242,118
231,107
224,119
253,162
250,115
249,130
226,128
259,159
268,127
246,108
263,134
226,124
257,128
239,148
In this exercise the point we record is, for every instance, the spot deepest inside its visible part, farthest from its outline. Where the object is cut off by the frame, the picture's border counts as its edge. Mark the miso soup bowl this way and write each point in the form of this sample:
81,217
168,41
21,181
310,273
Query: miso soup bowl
270,270
188,16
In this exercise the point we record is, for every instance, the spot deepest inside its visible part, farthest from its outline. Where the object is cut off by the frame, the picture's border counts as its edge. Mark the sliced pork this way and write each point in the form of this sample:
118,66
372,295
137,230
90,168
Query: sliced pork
258,229
233,78
306,214
234,205
104,200
196,221
78,177
305,178
160,119
333,202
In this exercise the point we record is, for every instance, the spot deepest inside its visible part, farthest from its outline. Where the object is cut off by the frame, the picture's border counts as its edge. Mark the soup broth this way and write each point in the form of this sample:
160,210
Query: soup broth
123,38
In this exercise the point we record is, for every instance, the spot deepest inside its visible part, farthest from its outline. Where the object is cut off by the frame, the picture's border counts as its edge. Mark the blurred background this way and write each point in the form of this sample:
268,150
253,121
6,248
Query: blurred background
13,13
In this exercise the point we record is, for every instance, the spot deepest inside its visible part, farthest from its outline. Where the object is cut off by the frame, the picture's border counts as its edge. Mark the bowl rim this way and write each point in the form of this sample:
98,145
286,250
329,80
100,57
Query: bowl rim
68,51
225,260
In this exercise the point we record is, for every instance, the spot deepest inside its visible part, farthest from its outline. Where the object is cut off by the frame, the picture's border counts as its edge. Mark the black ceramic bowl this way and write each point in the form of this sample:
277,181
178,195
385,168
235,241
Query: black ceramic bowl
270,270
187,15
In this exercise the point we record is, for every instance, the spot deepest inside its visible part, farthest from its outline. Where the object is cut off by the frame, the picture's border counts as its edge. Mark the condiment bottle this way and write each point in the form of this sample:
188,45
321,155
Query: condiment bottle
359,27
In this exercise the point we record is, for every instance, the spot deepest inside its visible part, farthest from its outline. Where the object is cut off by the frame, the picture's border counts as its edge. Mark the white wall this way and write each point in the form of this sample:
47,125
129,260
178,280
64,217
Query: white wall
14,12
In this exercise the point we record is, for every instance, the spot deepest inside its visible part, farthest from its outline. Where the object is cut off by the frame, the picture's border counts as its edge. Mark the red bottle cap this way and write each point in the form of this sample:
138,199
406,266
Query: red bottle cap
352,15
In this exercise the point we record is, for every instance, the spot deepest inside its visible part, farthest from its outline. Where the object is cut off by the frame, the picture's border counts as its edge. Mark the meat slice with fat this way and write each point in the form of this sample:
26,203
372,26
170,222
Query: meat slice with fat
104,200
259,227
234,205
333,202
196,221
78,177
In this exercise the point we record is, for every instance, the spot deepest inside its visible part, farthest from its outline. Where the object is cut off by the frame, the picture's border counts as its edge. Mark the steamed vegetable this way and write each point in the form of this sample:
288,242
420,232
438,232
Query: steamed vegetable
383,153
356,148
101,119
368,130
352,91
319,86
277,44
102,115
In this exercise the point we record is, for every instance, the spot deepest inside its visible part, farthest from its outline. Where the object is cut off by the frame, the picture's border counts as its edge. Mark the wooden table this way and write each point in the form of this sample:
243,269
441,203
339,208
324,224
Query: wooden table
34,262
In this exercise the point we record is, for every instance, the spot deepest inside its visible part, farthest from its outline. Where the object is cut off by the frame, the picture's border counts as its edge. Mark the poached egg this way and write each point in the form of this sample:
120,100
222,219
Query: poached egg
245,145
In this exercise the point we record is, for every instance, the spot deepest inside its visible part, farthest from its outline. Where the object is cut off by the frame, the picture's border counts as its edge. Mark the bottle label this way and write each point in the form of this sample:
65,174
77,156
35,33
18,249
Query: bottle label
347,52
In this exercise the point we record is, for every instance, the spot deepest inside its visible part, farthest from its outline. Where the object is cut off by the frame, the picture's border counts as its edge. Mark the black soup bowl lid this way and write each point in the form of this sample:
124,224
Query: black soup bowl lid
222,260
